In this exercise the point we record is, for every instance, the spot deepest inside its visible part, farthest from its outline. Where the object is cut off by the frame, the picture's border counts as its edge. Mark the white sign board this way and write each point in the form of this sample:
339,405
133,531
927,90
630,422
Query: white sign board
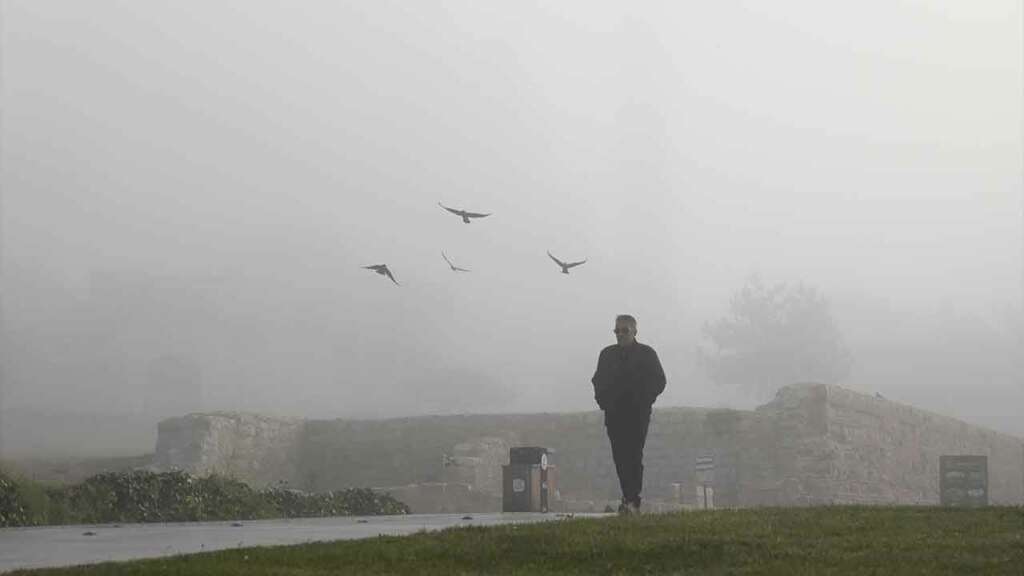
705,466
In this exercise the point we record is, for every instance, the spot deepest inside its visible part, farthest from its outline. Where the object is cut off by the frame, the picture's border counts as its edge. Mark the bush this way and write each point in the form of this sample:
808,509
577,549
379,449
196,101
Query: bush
142,496
26,503
12,511
350,502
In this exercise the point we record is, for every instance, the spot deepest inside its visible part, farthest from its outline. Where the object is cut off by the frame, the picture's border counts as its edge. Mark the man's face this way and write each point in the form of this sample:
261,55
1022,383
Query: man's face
624,333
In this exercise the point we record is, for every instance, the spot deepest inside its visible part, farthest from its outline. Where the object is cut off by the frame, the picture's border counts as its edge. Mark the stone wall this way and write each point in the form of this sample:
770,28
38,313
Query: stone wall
812,444
477,464
843,447
258,449
745,447
441,452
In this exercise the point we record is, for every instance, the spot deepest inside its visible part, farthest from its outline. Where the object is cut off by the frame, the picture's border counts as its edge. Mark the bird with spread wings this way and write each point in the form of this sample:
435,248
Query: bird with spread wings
463,213
566,265
450,265
383,270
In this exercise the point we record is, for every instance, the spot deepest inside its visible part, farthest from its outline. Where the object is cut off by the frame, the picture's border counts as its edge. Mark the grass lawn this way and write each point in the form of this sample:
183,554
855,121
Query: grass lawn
826,540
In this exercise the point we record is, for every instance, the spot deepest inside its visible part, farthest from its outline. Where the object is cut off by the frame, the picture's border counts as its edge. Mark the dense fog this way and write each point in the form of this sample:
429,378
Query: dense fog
190,191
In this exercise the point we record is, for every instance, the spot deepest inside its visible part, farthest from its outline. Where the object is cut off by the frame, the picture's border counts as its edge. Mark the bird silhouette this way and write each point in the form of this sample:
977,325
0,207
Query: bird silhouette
450,265
463,213
565,265
383,270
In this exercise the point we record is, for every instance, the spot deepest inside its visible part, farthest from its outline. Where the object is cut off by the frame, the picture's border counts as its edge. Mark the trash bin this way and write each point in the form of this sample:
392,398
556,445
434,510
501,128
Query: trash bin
528,481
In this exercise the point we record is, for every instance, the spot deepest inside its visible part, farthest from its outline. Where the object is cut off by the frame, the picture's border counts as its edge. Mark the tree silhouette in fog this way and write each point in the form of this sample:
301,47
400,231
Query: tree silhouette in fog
773,336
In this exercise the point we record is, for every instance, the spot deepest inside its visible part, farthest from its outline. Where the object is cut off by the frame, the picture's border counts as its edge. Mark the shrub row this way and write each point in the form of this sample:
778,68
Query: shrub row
142,496
12,511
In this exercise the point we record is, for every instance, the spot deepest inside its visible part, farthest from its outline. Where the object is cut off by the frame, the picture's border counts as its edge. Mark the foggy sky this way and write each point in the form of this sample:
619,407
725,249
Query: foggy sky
203,181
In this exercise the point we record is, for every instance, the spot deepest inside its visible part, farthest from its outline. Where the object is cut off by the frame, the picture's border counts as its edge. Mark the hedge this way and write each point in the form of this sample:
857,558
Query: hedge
143,496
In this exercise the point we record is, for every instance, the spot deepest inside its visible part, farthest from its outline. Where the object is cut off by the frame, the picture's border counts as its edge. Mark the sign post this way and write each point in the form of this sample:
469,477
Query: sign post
705,466
963,480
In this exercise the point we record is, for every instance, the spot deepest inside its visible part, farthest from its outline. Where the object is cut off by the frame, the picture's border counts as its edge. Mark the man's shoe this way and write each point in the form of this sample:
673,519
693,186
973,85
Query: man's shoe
634,508
624,508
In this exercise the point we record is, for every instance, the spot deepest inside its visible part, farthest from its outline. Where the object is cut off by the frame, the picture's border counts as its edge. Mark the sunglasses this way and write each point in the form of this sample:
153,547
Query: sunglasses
620,331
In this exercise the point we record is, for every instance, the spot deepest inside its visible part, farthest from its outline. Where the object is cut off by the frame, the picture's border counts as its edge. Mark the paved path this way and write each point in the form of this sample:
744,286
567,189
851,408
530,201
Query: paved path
70,545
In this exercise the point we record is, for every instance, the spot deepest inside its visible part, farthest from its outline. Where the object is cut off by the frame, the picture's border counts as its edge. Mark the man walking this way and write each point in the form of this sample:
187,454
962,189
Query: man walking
628,379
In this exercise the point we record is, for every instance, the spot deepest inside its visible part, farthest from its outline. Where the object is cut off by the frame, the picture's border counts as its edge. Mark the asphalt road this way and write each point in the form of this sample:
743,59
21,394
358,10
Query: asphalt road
53,546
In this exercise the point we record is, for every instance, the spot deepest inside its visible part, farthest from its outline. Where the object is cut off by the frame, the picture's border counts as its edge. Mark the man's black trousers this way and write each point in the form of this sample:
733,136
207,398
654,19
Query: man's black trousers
628,434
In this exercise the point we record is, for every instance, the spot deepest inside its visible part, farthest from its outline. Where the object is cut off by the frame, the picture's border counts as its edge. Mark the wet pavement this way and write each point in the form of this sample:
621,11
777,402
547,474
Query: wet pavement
52,546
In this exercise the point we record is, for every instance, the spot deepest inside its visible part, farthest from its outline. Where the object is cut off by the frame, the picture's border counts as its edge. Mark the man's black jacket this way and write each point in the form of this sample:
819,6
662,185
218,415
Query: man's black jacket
628,379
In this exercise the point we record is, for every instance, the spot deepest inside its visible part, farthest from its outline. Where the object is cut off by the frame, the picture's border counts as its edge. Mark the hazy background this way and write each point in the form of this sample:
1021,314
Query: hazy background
189,190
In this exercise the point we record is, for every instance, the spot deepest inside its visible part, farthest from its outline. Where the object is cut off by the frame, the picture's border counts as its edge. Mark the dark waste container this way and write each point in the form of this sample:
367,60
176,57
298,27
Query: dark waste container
528,480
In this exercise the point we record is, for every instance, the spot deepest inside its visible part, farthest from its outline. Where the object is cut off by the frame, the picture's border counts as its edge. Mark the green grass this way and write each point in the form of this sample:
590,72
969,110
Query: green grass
827,540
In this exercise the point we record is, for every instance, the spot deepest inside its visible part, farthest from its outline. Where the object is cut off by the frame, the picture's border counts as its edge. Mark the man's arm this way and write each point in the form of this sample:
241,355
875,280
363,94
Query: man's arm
602,380
655,384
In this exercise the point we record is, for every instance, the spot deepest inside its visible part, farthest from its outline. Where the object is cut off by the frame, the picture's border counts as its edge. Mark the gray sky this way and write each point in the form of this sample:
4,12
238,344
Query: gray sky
204,180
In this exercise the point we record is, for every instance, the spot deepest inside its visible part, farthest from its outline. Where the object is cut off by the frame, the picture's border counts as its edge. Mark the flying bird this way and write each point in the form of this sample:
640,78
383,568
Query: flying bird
565,265
463,213
450,265
382,269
